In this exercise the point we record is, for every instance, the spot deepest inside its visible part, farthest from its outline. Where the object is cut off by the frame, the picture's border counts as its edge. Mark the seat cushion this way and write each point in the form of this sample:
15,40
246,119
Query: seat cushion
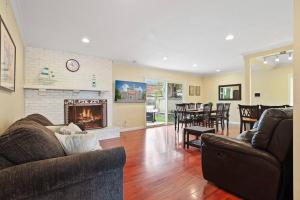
267,124
27,141
40,119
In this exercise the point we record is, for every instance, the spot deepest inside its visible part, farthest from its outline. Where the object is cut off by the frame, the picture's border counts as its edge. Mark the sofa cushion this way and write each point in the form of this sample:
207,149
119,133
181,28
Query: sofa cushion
267,124
27,141
4,163
78,143
40,119
247,136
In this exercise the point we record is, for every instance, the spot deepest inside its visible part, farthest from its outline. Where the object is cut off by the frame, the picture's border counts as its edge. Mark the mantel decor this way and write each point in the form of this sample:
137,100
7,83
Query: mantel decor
7,59
231,92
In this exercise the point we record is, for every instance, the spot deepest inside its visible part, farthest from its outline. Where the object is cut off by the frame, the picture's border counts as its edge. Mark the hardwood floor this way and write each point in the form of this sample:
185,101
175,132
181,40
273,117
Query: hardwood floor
158,168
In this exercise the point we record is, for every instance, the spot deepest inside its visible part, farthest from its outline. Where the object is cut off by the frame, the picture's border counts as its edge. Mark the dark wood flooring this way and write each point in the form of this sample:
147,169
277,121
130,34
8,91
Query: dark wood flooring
158,168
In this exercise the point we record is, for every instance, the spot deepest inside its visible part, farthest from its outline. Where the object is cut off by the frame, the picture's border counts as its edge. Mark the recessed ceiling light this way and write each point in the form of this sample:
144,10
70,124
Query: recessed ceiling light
229,37
85,40
165,58
195,65
218,70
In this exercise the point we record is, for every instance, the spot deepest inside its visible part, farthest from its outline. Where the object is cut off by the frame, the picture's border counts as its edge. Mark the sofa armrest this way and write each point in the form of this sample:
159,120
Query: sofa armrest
237,146
35,178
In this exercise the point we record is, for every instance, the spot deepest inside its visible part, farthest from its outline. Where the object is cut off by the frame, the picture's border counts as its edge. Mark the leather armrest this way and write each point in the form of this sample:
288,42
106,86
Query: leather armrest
35,178
236,146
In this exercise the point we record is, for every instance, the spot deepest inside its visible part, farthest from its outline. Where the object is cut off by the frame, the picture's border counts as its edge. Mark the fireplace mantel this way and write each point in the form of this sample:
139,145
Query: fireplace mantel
63,88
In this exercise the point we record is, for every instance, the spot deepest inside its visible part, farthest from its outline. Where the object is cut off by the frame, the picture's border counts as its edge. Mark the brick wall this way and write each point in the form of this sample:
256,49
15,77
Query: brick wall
51,102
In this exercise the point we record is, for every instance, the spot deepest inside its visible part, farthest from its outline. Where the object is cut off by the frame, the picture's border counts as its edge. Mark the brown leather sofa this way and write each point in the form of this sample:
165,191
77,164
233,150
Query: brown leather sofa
258,163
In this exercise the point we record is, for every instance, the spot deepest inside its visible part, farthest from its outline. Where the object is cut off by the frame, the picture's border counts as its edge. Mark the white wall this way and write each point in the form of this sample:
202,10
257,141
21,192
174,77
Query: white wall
50,103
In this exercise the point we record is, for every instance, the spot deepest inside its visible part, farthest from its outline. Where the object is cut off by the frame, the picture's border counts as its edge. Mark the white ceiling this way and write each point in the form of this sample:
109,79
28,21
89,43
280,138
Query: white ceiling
186,31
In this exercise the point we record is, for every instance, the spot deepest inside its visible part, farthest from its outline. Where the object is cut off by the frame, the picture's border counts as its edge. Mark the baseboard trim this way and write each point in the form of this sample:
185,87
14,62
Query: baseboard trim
132,129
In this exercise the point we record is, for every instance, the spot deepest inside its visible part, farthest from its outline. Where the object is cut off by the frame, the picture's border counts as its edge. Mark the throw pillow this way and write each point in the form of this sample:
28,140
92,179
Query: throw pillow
78,143
27,141
70,129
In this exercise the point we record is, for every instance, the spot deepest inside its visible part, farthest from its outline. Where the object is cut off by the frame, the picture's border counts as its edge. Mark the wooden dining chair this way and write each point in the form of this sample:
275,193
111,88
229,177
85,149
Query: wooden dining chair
226,116
204,117
198,106
249,114
180,109
217,118
191,106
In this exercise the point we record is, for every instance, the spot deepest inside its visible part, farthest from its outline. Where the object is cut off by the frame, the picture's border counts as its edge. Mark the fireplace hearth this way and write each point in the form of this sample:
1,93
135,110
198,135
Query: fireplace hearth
90,113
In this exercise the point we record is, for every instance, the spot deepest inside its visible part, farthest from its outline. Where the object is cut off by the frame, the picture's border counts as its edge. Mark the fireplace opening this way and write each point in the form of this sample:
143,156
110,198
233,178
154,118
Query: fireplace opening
90,113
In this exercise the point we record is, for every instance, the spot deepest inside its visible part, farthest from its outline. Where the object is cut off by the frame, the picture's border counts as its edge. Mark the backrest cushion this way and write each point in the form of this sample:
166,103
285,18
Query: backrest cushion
27,141
267,125
40,119
282,139
4,163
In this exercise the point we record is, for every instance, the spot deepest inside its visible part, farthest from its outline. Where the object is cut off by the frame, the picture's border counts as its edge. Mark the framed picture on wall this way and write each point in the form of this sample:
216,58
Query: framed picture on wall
197,90
130,92
7,59
191,90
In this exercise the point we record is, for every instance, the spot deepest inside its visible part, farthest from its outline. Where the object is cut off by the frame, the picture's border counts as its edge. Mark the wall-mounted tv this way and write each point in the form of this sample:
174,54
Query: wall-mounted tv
130,92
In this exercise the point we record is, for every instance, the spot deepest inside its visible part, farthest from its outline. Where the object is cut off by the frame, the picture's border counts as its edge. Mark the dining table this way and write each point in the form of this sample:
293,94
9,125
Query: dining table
193,112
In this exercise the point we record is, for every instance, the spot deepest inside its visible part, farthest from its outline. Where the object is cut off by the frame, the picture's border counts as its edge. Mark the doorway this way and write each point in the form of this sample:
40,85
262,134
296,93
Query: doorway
161,100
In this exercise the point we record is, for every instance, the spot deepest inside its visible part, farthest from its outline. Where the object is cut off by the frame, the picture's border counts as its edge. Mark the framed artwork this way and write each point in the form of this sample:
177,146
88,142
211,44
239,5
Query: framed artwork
191,90
197,90
7,59
231,92
130,92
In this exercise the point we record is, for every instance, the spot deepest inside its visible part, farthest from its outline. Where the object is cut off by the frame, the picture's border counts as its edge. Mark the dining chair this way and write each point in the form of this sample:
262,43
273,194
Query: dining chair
226,115
180,108
198,106
249,114
204,117
191,106
217,118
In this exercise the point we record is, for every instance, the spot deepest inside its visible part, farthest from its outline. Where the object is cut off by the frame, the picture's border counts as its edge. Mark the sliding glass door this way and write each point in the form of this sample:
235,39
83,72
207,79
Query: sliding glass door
161,100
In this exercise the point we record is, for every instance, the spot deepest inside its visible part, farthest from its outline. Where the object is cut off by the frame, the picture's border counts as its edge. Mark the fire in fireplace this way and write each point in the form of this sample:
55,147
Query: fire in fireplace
90,113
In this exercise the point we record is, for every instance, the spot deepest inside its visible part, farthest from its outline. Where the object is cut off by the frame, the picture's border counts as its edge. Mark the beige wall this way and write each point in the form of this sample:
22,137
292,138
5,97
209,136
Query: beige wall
272,83
132,115
210,90
12,104
297,101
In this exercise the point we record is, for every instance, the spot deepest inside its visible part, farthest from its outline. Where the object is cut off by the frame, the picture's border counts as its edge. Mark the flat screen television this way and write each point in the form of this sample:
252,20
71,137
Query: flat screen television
130,92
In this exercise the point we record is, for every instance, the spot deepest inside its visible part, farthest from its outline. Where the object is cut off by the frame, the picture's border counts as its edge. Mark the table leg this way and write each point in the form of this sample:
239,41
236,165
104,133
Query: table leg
183,139
188,140
175,119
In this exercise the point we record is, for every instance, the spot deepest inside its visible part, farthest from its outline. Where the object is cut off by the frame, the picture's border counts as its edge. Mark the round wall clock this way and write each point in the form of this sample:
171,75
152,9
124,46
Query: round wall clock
72,65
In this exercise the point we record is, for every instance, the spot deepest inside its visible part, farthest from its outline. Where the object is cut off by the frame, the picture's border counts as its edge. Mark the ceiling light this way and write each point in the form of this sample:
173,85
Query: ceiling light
218,70
265,61
195,65
290,56
85,40
165,58
229,37
277,59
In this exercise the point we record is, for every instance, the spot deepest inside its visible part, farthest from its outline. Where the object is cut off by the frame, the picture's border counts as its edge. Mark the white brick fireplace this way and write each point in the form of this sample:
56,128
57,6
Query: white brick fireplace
49,99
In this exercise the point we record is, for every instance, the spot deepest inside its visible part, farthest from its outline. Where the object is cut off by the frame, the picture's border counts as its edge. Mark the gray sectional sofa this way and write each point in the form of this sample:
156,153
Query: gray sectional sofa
33,165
